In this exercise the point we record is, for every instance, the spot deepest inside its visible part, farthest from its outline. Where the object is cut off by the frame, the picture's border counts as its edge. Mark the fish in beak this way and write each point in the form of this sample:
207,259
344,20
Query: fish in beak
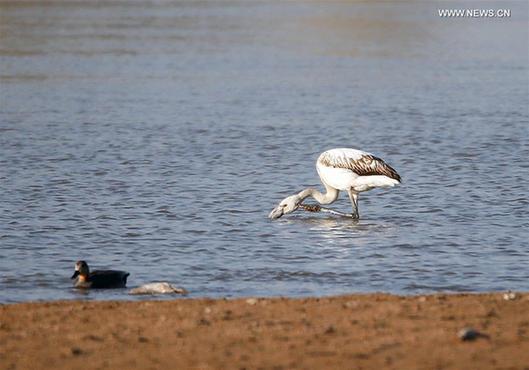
75,274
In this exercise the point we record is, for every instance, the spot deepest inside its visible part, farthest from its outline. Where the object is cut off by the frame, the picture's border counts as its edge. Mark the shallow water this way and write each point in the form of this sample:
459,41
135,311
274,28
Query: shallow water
156,137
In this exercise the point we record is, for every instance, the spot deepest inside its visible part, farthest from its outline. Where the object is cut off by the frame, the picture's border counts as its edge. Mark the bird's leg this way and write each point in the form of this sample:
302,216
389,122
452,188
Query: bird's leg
354,200
318,208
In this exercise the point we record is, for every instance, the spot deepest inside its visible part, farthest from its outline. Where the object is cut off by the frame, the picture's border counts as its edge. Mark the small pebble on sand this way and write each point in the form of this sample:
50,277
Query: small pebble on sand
470,334
251,301
76,351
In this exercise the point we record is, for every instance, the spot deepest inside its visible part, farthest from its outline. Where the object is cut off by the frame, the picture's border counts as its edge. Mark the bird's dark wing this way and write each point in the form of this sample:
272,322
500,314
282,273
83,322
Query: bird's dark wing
369,165
108,278
364,165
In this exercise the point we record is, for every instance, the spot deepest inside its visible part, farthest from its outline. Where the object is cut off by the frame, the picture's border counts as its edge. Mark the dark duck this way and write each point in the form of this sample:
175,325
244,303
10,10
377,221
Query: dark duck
99,279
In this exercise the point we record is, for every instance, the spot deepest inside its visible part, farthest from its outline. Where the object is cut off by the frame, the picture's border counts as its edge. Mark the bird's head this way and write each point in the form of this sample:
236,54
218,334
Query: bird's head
287,205
81,268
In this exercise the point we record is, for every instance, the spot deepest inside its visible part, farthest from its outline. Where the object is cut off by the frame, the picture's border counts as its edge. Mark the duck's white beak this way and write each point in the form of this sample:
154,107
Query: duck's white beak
276,213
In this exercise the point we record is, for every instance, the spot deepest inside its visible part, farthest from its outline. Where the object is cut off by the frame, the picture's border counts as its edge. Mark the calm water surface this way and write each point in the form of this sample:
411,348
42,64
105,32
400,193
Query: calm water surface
156,137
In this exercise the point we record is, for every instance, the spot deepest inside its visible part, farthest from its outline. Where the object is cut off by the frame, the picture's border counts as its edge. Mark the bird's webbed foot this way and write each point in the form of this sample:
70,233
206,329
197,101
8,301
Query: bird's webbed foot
311,207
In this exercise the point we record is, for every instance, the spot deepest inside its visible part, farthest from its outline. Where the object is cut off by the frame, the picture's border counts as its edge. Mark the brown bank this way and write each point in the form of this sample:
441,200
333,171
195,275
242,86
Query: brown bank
373,331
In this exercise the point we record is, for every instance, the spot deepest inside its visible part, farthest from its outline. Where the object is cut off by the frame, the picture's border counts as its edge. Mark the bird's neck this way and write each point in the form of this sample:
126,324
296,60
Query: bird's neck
82,278
326,198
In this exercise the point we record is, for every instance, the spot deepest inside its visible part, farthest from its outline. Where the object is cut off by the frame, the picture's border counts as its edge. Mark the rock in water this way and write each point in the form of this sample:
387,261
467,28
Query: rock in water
158,288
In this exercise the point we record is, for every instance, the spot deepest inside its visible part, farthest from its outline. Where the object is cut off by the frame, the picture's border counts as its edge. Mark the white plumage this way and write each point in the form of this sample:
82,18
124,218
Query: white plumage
158,288
342,169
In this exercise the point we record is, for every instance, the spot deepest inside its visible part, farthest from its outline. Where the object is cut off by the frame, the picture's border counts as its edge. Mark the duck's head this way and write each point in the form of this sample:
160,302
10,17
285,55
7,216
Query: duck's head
81,269
287,205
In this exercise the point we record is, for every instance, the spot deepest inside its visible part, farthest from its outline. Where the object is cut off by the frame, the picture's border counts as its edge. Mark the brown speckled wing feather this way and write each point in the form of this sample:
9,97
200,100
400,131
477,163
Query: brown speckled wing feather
366,165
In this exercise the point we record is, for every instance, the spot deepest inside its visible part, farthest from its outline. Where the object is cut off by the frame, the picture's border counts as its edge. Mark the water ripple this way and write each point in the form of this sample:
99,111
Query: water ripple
162,151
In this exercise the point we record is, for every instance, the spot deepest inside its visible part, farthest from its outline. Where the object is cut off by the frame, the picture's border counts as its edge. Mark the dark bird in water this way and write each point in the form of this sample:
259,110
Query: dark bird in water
342,169
99,279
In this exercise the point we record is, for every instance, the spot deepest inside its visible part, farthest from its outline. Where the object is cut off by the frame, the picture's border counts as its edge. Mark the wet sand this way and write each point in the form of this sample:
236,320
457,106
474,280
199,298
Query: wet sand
371,331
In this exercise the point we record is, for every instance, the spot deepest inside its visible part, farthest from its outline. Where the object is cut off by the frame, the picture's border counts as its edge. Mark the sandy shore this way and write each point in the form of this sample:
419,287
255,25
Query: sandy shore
373,331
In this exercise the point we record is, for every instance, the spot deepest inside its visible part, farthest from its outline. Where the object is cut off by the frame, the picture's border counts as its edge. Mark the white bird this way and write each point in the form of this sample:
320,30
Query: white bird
342,169
158,288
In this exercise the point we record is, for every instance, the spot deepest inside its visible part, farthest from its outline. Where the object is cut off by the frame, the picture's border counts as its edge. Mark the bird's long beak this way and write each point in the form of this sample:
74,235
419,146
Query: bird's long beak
276,213
75,274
